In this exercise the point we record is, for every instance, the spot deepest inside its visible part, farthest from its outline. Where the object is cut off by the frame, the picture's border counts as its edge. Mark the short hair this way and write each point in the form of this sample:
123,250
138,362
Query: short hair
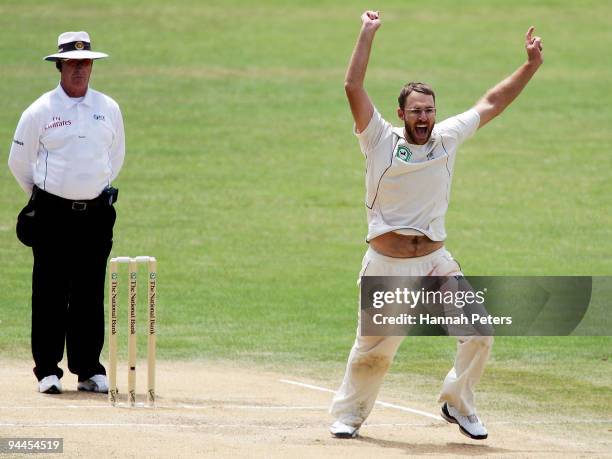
423,88
58,65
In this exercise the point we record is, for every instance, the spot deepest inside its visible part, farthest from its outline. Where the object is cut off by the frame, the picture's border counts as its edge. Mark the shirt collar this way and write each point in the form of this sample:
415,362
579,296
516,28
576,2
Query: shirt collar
69,101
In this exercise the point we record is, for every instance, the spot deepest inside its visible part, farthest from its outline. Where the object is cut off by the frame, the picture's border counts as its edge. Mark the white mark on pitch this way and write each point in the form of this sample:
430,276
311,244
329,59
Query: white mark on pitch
54,425
378,402
253,407
177,406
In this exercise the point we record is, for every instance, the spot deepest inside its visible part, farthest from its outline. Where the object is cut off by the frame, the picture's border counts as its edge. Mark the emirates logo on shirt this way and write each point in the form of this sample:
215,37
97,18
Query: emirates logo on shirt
57,122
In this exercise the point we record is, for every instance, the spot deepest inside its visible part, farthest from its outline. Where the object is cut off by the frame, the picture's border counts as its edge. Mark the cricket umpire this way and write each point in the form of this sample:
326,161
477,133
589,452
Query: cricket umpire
68,147
408,179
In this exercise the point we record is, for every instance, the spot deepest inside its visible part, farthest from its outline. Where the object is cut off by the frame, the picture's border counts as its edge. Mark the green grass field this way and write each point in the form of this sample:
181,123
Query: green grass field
243,178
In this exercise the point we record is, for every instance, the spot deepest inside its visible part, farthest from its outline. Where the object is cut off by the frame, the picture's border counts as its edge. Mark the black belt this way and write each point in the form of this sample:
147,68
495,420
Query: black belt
104,200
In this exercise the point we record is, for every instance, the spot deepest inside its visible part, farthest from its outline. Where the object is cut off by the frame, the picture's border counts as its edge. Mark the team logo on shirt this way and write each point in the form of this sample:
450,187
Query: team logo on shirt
403,153
99,117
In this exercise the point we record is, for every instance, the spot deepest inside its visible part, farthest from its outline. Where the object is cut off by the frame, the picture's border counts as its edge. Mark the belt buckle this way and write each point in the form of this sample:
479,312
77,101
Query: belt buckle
78,205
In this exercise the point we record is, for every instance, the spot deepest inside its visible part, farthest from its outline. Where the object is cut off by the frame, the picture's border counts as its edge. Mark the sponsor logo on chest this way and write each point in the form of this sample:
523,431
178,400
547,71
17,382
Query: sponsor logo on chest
56,122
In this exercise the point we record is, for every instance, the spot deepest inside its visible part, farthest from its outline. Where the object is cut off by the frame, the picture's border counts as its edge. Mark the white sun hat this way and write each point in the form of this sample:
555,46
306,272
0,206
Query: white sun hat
74,45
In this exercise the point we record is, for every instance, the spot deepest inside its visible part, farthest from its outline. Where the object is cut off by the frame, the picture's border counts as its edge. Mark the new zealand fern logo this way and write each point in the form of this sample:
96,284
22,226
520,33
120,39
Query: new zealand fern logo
403,153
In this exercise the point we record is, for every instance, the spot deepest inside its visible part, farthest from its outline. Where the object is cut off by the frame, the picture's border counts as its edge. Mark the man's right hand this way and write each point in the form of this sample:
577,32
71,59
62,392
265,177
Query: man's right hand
370,20
361,106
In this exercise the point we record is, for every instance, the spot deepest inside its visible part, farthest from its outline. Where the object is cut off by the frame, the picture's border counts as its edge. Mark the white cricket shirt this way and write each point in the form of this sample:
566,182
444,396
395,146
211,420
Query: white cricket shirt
408,186
72,148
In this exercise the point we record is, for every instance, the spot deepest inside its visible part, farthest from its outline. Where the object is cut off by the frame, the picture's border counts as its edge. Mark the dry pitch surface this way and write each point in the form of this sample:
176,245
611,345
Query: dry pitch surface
222,410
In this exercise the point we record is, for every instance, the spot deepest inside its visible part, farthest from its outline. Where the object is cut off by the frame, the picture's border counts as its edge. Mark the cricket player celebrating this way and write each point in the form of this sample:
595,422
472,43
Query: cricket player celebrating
408,178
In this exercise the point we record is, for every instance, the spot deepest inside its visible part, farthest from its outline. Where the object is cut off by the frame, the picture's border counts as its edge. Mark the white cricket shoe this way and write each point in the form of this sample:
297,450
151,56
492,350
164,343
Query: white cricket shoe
470,425
97,383
50,385
341,430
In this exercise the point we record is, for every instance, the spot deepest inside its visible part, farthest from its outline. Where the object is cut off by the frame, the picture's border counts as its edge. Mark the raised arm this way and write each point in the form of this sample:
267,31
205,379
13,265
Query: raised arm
361,105
500,96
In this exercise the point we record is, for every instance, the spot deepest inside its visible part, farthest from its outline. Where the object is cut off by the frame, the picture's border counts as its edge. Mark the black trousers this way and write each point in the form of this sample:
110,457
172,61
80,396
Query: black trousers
70,255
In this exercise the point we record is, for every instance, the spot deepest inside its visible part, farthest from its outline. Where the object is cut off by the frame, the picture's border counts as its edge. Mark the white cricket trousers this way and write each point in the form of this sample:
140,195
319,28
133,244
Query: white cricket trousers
371,356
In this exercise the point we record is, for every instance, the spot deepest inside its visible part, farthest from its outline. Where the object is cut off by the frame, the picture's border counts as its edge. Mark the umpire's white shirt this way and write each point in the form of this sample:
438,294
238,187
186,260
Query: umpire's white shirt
70,147
407,185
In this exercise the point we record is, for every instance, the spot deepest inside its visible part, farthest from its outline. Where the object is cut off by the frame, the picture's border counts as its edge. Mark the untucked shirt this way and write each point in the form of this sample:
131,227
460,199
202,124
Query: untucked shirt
408,186
69,147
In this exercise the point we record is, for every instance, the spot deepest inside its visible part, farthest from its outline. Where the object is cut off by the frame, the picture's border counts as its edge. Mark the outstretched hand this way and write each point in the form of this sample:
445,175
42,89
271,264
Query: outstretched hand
533,45
371,20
